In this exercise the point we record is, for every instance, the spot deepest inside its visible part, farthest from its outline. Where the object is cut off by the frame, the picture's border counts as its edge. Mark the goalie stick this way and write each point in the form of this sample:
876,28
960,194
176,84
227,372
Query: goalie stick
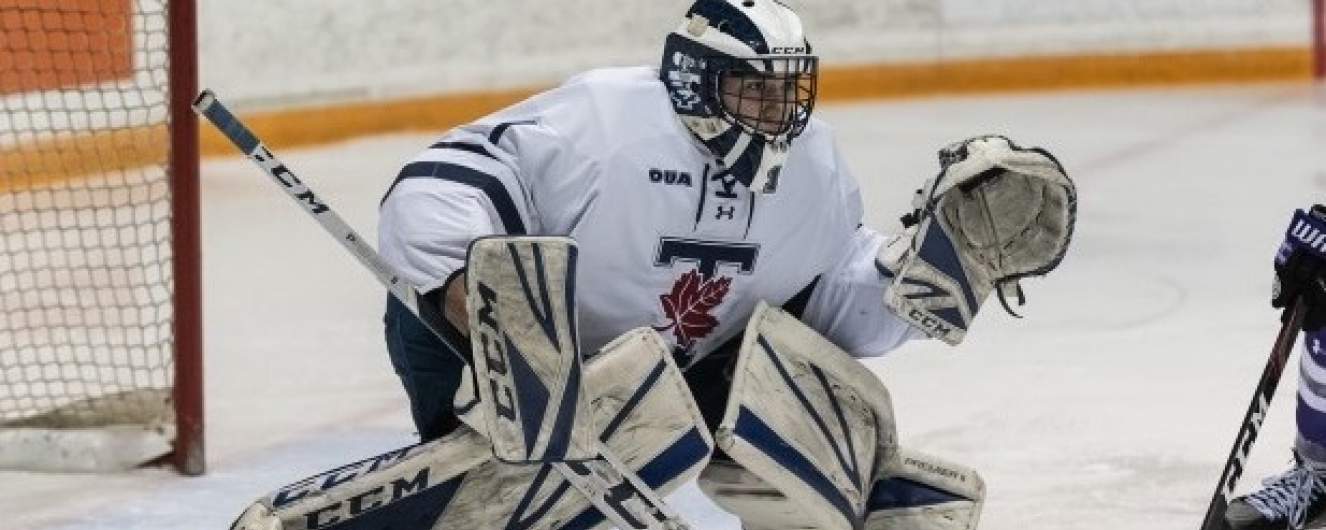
614,490
1252,420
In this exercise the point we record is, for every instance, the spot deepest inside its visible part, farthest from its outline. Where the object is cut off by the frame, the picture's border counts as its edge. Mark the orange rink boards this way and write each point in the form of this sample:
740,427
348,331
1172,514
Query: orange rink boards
48,162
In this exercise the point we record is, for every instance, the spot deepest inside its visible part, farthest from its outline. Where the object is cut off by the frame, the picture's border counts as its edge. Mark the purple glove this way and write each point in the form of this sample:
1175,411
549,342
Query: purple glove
1300,266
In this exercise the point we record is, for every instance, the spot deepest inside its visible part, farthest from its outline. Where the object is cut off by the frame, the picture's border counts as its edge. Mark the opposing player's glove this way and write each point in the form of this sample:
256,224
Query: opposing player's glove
1300,266
996,213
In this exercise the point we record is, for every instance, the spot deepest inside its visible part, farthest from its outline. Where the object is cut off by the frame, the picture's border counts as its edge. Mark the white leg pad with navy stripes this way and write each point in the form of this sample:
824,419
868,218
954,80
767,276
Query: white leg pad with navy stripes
643,412
812,424
922,492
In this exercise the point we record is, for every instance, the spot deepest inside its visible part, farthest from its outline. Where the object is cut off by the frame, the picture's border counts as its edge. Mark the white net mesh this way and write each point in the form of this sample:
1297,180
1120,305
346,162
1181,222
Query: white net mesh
85,276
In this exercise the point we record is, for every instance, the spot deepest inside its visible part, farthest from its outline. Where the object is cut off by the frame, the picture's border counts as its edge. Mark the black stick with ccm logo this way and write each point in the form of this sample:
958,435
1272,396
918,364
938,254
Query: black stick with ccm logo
1252,420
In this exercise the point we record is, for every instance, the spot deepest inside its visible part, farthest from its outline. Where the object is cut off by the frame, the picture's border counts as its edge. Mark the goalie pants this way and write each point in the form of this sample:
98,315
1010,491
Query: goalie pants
429,370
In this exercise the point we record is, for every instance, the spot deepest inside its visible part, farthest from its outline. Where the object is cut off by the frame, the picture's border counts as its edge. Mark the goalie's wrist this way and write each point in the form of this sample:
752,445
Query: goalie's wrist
453,302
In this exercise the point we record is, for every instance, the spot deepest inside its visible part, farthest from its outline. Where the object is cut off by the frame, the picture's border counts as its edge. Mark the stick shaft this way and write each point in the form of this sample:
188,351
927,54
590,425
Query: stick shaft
1253,418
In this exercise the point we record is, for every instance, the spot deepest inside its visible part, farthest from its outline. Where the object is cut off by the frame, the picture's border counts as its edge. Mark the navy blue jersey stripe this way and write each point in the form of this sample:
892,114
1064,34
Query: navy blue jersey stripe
704,194
464,146
750,215
496,135
493,188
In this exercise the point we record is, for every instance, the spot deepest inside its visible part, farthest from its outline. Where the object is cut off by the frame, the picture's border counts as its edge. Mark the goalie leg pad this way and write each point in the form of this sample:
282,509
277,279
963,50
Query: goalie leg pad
995,214
527,362
806,419
759,505
922,492
645,416
411,487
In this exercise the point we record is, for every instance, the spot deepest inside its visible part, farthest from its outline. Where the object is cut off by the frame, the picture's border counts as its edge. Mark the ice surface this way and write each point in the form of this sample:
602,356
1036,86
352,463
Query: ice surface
1111,405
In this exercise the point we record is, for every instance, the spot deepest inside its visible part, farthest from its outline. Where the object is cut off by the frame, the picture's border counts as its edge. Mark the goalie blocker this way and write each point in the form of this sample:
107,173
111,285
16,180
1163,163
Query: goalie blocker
526,352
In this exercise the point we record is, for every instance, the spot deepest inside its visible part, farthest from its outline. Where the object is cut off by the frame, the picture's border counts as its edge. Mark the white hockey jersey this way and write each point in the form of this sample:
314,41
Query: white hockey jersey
667,239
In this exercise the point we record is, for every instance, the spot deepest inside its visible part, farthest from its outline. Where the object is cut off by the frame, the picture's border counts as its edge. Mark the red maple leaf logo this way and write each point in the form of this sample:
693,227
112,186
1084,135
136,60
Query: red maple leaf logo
689,304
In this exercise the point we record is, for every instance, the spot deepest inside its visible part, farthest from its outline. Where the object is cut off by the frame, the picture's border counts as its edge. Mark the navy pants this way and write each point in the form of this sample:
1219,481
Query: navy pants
429,370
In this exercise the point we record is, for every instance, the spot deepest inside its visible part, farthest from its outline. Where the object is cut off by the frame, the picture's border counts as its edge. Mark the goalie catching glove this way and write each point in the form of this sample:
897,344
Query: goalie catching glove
996,213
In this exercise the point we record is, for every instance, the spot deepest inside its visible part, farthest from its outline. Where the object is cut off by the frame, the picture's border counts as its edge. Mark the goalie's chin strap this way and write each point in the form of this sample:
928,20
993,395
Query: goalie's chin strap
913,218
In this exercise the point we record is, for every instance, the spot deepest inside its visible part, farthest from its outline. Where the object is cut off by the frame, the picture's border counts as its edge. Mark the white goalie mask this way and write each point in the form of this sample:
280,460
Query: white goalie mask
742,78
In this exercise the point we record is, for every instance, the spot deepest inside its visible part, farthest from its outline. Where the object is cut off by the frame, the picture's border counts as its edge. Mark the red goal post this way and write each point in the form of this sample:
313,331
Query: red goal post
1319,39
100,288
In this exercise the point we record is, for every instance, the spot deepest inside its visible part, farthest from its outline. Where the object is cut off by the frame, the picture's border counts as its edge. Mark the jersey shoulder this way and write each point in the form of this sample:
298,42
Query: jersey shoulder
609,107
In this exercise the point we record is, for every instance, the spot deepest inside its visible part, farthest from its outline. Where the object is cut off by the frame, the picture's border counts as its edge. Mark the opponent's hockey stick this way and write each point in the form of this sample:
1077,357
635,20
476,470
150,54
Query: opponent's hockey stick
1252,420
617,492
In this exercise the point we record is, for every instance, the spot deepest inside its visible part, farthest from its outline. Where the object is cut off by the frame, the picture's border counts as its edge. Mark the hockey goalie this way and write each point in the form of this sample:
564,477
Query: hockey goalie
667,268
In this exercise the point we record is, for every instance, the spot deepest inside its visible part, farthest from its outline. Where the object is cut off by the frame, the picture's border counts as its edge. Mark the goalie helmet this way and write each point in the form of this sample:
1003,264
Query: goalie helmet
742,77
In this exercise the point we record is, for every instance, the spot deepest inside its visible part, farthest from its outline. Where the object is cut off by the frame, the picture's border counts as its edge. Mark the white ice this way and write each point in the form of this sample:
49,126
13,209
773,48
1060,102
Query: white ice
1113,404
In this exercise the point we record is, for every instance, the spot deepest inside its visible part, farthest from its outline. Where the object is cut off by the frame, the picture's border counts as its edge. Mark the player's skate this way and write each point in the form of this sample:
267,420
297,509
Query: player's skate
1293,499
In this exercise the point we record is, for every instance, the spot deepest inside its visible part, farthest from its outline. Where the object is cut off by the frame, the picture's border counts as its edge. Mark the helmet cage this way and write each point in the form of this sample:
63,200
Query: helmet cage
773,102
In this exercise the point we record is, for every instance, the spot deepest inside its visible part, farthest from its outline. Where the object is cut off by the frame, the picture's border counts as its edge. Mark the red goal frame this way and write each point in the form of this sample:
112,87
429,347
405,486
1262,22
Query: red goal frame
187,455
1318,39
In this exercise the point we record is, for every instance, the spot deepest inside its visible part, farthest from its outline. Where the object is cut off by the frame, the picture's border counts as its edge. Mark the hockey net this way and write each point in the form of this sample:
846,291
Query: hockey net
99,342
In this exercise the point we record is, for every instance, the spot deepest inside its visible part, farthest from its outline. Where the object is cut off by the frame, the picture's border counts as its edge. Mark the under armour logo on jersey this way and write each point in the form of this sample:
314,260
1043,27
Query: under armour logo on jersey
670,176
